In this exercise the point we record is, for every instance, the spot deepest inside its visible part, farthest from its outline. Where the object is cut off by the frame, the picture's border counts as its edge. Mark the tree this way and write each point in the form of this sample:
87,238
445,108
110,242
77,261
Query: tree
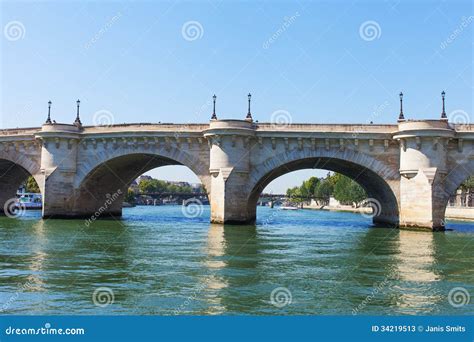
294,194
130,197
31,185
308,187
468,183
348,191
324,189
146,186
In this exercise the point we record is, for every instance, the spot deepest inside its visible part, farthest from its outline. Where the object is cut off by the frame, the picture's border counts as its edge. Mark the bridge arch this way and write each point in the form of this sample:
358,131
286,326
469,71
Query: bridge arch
461,171
15,168
379,180
106,176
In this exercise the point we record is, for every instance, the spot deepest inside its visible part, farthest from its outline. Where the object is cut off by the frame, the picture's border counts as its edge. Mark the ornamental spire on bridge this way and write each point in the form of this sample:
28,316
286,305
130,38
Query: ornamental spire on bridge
443,112
78,122
48,119
401,117
214,116
249,114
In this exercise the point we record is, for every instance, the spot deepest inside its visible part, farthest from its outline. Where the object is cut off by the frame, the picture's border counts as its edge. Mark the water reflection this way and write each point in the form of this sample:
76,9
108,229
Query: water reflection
233,259
417,272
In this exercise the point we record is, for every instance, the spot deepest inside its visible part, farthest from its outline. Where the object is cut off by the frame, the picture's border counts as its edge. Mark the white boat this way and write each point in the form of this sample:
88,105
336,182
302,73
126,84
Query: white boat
288,208
29,200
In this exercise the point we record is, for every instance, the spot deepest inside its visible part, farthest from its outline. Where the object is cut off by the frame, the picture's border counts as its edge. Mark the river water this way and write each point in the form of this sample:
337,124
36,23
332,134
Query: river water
158,261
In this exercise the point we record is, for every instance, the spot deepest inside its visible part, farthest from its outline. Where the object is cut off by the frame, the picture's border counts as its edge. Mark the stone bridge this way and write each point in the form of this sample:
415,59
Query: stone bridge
408,169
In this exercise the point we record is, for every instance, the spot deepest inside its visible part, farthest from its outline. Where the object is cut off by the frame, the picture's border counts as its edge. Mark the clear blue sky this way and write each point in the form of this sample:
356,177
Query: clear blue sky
312,59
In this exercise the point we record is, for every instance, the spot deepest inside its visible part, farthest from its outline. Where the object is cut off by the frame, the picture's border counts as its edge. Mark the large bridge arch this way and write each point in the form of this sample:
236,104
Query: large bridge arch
461,171
380,181
15,168
105,176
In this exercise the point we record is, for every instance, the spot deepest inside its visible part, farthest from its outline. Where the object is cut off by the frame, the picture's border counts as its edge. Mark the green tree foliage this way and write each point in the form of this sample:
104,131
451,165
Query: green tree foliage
130,197
147,186
324,189
308,187
468,183
344,189
348,191
294,194
31,185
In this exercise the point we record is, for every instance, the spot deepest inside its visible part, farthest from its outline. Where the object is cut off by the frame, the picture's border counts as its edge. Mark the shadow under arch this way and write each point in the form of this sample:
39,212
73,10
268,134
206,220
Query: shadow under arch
12,175
107,183
376,187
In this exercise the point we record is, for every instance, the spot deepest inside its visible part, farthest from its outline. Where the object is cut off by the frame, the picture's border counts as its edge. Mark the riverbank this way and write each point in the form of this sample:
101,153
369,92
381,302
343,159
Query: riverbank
452,213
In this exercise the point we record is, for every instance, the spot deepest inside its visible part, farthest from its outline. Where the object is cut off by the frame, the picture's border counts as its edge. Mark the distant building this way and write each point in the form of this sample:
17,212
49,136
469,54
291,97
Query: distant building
143,177
178,183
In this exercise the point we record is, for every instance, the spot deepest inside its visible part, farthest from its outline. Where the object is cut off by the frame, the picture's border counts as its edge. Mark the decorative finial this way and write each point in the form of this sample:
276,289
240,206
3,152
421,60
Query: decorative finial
214,116
78,120
249,114
401,117
443,113
48,120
